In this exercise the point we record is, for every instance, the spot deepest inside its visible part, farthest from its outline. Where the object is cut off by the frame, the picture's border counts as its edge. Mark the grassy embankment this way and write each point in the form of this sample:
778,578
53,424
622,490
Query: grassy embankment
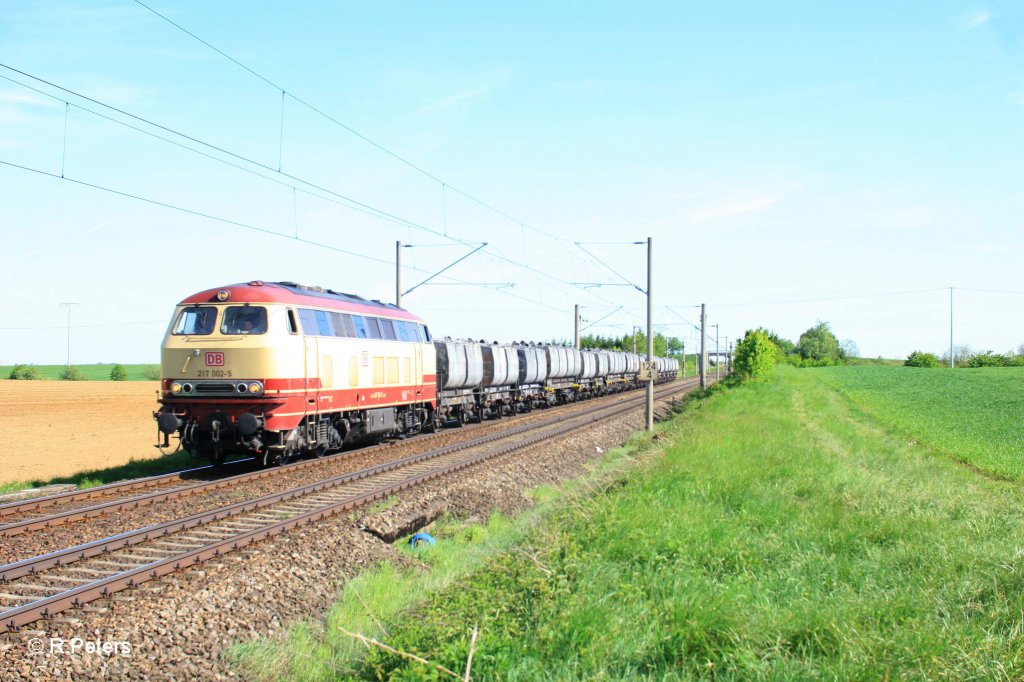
787,533
100,372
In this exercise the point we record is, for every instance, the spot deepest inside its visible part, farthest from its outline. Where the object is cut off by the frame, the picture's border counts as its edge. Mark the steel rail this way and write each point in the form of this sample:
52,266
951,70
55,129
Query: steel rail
47,607
124,504
36,503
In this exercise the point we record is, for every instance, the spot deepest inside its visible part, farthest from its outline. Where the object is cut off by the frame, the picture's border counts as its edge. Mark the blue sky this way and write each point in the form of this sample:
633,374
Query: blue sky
776,152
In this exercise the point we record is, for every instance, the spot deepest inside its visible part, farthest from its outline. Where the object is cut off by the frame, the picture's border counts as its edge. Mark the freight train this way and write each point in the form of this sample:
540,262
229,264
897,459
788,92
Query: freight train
280,370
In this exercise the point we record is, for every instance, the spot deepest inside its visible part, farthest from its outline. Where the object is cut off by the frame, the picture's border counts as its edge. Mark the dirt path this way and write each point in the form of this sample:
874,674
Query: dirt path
59,428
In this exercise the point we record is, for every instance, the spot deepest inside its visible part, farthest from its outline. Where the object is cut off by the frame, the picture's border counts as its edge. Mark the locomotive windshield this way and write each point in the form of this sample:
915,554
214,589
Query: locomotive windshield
199,320
245,319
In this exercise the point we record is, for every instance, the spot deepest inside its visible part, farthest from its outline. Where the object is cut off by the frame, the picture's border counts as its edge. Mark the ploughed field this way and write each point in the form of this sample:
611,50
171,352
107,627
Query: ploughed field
50,429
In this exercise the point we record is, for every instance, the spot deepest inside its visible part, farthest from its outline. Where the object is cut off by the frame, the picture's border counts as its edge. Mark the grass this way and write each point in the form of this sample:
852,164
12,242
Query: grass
97,372
973,415
786,534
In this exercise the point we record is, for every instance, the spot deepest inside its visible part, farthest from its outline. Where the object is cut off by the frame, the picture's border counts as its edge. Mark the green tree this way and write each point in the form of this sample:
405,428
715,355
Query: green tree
118,373
152,373
71,373
24,373
756,354
819,344
921,359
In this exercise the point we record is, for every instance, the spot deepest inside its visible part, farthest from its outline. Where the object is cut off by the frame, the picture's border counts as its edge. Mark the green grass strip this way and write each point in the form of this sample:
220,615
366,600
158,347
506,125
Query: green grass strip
784,535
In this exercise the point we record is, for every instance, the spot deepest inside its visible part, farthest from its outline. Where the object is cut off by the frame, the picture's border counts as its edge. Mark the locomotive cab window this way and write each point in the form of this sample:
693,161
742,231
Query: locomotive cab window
246,319
196,321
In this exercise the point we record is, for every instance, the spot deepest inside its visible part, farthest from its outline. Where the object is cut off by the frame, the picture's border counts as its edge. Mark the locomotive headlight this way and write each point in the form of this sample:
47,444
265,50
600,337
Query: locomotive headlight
223,295
255,388
187,388
175,388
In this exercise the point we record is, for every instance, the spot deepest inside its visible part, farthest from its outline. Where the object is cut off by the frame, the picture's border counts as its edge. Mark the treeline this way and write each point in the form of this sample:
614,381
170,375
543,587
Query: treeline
663,345
816,347
761,349
963,356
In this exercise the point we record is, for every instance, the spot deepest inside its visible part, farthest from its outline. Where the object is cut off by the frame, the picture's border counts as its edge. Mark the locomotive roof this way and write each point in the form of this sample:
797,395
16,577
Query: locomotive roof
258,291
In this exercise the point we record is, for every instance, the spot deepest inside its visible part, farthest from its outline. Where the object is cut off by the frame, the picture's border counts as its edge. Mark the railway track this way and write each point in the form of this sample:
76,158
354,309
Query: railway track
43,586
39,514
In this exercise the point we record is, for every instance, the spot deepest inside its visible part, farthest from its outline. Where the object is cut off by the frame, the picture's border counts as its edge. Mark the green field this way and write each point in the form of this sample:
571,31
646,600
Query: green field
99,372
783,532
974,415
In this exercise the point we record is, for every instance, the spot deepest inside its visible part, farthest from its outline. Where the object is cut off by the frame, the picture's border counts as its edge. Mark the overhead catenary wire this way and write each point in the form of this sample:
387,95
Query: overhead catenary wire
346,201
445,185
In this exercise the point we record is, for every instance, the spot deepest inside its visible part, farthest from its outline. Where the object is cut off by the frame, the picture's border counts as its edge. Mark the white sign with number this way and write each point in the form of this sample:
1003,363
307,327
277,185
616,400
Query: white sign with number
648,371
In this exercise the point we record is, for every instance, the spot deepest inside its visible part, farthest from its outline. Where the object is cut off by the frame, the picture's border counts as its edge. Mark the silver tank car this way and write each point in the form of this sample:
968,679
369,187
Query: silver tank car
459,364
533,365
501,365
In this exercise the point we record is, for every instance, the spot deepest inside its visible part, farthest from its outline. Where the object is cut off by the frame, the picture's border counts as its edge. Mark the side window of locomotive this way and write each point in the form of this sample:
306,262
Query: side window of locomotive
348,326
373,327
199,320
244,319
323,324
308,319
339,325
360,324
402,330
293,327
425,333
387,328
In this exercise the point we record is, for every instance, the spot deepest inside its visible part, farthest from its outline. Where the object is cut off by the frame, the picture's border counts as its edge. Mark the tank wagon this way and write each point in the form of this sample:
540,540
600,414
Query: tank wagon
281,370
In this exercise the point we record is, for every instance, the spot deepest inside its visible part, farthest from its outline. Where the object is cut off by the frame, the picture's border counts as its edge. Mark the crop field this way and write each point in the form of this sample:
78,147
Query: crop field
98,372
52,429
779,530
974,415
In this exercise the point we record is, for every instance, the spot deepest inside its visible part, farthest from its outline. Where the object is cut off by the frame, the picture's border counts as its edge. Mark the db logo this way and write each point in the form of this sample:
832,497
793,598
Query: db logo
214,359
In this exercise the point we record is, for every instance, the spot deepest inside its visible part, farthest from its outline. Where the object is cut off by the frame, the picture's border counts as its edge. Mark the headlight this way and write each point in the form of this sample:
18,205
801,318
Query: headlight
187,388
255,388
175,388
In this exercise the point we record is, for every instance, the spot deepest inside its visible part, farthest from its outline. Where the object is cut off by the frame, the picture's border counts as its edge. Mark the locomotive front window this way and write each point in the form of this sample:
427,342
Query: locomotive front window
196,321
244,319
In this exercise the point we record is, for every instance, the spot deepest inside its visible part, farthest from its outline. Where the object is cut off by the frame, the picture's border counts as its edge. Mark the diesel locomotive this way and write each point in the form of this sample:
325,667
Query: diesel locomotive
281,370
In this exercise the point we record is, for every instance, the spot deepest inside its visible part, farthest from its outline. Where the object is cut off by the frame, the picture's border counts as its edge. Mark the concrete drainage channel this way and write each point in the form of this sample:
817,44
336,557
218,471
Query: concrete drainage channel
44,586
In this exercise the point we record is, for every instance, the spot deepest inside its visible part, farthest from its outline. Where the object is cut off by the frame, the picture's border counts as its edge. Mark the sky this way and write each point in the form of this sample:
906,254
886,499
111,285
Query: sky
791,161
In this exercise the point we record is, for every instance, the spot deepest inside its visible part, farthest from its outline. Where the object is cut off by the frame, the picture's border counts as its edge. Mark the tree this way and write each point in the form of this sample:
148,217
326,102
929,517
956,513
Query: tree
24,373
118,373
756,354
820,344
849,349
921,359
70,373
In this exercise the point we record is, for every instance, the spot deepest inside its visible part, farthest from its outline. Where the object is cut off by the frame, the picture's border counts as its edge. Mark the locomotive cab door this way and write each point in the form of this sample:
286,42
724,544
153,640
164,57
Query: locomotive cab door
312,375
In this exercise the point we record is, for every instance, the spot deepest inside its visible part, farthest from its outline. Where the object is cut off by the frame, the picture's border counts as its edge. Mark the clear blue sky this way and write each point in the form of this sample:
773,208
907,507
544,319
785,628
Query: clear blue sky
776,153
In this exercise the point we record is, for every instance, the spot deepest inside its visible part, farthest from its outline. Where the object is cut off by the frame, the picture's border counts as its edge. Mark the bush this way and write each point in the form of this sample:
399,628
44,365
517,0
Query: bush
70,373
24,373
988,359
755,355
921,359
152,373
118,373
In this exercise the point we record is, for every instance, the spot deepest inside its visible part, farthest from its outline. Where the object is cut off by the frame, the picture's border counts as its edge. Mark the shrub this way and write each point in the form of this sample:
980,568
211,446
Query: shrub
921,359
118,373
987,359
755,355
71,373
24,373
152,373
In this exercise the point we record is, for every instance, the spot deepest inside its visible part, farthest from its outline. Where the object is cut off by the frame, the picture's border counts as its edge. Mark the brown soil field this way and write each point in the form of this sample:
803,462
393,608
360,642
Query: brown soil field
60,428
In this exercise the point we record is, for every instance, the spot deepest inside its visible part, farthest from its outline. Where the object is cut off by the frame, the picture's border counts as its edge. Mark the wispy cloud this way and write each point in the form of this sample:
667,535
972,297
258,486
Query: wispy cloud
451,101
975,19
740,203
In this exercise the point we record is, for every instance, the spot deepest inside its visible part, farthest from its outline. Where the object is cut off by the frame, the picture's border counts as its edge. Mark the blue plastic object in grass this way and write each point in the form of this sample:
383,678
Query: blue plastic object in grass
421,539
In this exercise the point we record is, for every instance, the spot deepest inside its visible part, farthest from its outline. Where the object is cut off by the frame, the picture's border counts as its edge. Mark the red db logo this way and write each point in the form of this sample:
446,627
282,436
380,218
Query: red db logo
214,359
